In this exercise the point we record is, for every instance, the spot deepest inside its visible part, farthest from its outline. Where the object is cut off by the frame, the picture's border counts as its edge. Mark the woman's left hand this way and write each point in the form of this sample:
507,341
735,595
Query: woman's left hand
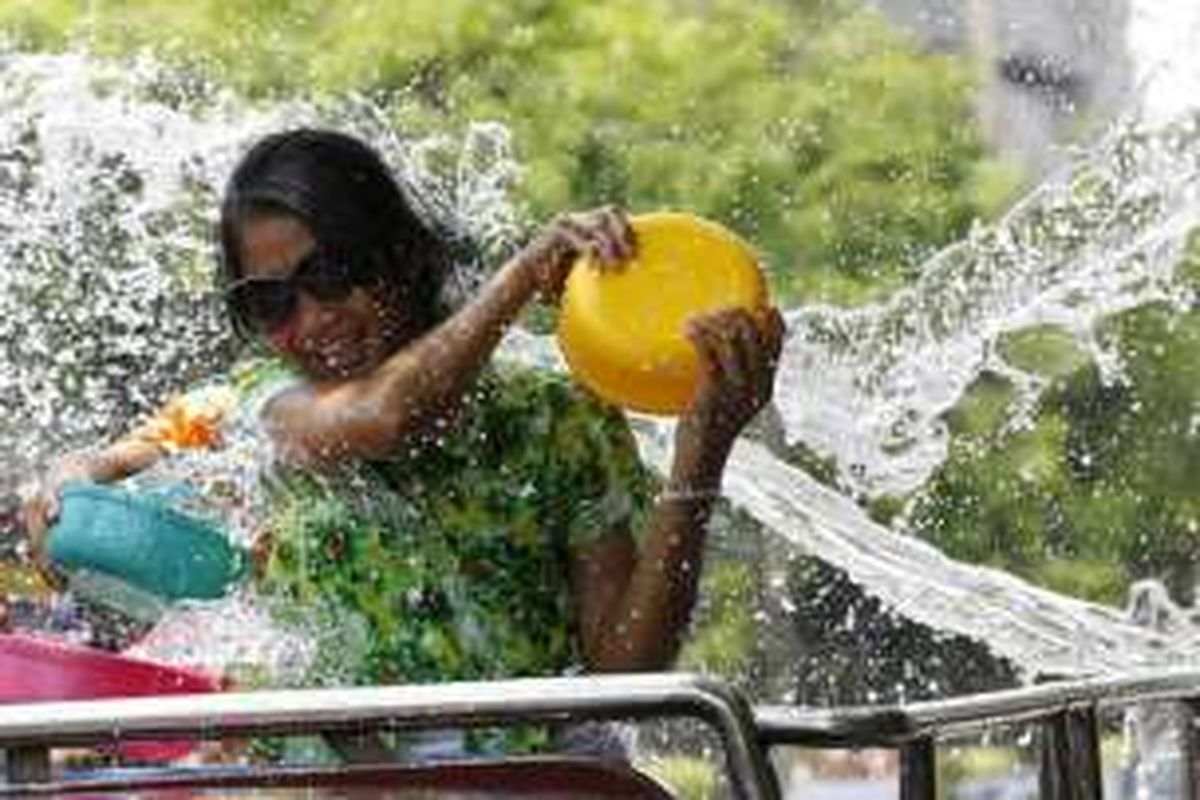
738,354
602,234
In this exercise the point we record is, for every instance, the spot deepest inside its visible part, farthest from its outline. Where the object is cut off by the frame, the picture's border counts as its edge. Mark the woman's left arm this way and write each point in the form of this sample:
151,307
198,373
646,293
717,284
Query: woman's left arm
634,603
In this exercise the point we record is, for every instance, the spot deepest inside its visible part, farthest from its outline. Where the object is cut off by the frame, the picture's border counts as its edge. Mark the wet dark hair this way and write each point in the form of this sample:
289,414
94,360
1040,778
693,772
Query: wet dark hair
344,192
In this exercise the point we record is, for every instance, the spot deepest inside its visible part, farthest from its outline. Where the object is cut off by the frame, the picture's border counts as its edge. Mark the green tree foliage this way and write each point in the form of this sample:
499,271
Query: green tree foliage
725,632
819,133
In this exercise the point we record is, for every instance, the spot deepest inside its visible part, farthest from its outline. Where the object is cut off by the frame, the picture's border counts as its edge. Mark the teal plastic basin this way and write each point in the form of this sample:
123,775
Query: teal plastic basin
144,543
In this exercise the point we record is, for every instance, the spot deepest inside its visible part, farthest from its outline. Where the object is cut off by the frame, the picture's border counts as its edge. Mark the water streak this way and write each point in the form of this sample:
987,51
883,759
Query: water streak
870,386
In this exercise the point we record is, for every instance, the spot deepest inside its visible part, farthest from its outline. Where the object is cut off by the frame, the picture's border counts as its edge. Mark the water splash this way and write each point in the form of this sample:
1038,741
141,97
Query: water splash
105,302
870,386
238,638
1041,632
109,179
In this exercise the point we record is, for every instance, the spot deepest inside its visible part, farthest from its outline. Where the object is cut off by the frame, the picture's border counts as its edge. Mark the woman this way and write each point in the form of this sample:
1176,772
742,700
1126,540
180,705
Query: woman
480,520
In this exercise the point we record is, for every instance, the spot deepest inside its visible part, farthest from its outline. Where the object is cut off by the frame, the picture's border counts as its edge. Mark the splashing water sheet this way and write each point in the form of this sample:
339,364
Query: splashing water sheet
870,386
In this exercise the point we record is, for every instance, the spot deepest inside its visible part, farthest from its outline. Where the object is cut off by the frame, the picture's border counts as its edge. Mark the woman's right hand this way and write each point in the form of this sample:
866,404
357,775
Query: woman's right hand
603,234
40,506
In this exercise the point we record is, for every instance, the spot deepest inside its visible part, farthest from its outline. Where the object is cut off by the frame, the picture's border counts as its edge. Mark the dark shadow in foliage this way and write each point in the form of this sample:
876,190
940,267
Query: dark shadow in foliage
854,651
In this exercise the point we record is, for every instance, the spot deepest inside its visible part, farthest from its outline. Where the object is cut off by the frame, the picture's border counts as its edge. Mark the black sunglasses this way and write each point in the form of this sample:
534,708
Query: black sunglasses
270,302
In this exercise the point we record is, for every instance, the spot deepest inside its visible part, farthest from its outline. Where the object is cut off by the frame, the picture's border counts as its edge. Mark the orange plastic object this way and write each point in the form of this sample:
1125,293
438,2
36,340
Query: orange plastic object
192,421
622,331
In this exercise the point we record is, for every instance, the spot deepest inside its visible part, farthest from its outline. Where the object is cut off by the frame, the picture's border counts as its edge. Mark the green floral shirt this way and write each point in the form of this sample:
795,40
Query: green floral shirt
450,560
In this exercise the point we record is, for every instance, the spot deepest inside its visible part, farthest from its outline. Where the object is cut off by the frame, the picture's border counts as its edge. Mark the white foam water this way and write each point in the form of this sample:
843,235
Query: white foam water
870,386
1161,38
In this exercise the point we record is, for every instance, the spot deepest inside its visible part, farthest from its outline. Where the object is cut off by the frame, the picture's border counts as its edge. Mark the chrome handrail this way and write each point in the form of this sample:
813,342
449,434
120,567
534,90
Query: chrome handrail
28,730
893,725
1066,711
1067,714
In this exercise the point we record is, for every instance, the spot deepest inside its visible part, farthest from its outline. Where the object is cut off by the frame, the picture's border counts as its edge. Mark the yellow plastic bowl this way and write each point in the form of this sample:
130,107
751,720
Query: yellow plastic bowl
622,332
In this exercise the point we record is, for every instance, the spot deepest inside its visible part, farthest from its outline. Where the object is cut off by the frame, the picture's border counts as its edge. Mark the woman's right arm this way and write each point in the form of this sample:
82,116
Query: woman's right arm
374,415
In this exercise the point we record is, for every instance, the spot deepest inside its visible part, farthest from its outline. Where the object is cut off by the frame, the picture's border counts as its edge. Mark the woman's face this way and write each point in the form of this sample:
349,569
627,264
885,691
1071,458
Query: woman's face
325,339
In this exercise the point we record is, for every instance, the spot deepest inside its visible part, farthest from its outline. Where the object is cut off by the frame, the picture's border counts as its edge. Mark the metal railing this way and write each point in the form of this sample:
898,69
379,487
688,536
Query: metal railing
28,732
1067,714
